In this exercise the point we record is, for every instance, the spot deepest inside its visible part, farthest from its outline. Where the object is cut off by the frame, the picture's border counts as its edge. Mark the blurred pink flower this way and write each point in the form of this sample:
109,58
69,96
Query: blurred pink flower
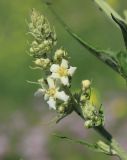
33,145
4,145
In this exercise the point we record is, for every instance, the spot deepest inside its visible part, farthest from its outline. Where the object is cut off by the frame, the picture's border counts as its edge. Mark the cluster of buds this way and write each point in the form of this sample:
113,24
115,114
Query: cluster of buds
44,36
93,116
57,73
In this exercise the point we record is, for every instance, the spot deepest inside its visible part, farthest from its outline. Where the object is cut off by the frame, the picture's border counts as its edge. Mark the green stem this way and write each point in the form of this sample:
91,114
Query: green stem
108,137
112,142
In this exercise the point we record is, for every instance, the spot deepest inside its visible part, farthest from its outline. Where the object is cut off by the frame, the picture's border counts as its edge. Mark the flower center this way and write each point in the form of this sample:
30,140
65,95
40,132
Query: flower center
62,71
51,92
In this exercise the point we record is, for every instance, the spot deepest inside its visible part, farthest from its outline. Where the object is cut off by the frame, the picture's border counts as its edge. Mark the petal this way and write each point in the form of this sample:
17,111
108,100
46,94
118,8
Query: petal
52,103
65,81
40,92
71,70
54,68
46,97
64,63
50,82
62,96
55,75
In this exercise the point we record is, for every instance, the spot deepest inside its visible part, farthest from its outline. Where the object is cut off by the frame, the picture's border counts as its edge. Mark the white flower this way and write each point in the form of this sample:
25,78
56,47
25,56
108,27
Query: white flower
52,93
62,71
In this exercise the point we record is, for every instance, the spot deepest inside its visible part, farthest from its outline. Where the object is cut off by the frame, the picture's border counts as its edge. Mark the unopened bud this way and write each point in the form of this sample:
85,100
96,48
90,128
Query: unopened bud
86,84
41,81
42,62
44,35
88,124
34,43
83,98
31,50
59,54
61,109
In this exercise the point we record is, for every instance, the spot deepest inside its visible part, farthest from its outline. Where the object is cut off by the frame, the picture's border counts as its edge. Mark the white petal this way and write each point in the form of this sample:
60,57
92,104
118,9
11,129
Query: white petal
65,81
54,68
50,82
39,92
52,103
64,63
46,97
71,70
55,75
62,96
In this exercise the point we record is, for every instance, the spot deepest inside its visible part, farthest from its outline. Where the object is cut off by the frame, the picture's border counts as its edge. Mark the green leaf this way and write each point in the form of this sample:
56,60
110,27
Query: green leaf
125,15
107,9
108,57
97,147
82,142
113,15
123,27
122,58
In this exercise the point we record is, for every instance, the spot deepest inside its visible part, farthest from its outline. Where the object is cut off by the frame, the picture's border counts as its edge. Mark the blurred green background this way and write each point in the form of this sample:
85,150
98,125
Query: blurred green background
25,127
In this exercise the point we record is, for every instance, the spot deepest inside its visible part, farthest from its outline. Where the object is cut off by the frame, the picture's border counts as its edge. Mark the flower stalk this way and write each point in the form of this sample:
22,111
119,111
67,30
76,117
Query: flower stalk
55,84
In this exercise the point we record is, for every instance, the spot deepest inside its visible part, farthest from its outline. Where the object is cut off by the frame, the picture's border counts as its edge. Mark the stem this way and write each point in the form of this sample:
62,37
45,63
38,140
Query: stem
112,142
108,137
103,132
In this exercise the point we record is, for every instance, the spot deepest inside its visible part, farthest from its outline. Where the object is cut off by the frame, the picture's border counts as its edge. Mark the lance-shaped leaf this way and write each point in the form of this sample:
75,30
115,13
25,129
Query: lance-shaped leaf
97,147
123,27
107,9
114,16
108,57
122,58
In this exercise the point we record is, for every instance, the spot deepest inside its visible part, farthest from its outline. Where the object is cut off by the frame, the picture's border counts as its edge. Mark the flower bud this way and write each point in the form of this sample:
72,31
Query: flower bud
61,109
44,35
60,54
41,81
34,43
93,116
31,50
44,63
83,98
86,85
88,123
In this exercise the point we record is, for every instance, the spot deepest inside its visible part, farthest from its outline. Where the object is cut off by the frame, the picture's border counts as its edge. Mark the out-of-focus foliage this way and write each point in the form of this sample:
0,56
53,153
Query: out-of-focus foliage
21,114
